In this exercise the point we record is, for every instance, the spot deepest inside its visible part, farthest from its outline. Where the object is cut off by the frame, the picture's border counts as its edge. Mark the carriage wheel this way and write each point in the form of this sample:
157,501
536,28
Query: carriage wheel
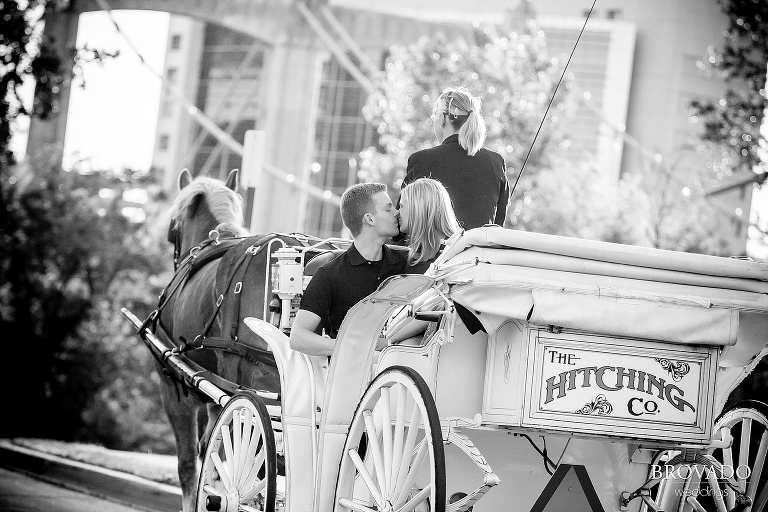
747,422
393,459
239,470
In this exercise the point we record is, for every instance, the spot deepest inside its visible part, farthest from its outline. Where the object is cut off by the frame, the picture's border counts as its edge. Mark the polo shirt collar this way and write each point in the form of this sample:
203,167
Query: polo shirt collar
451,138
355,258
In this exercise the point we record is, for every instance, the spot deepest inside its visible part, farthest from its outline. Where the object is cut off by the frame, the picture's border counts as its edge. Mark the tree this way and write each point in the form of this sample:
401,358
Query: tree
65,247
25,55
733,122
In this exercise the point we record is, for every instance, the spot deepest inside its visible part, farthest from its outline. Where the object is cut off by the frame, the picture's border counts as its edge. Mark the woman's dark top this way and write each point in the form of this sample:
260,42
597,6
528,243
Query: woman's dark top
420,267
477,184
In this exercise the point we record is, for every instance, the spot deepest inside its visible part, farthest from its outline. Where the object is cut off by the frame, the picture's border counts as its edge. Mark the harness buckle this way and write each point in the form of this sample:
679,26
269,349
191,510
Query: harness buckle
213,236
219,300
252,250
238,287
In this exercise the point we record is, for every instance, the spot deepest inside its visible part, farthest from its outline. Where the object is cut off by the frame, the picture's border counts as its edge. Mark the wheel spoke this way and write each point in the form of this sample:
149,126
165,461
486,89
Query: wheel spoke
256,489
397,445
716,494
695,504
410,442
412,472
367,478
237,434
245,446
746,435
757,467
222,471
254,472
386,436
344,502
761,502
730,498
212,490
256,436
373,446
226,440
413,502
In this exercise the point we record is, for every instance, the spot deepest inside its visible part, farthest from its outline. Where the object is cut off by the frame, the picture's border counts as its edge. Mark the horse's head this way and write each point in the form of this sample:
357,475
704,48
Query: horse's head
204,204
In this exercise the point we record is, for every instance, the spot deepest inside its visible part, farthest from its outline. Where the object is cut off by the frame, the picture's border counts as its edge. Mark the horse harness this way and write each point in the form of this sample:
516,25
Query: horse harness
236,255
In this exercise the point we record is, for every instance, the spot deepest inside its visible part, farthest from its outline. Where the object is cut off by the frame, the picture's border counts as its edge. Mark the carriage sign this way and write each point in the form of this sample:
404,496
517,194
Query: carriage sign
607,383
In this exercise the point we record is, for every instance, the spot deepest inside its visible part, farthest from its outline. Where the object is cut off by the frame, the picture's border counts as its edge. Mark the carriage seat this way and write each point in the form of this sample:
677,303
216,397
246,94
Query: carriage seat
321,259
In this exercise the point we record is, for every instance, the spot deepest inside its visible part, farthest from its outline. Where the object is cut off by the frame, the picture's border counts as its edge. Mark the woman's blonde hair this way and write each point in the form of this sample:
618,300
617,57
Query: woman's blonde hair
463,112
430,217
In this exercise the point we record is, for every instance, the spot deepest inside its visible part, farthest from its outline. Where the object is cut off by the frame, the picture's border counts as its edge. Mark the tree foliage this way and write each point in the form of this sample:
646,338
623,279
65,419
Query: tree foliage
70,256
25,55
733,122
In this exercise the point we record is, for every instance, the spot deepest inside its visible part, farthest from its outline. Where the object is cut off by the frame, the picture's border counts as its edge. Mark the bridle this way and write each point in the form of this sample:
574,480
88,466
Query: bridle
174,236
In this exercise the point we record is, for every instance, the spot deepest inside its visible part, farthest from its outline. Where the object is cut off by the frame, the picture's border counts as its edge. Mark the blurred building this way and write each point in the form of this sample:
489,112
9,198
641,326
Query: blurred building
667,74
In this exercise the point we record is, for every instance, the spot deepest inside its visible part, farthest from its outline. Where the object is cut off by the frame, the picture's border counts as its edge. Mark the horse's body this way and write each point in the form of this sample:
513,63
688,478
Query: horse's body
190,310
204,205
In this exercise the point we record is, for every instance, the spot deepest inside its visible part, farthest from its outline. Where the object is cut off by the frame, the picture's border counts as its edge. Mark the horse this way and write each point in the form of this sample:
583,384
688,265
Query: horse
202,205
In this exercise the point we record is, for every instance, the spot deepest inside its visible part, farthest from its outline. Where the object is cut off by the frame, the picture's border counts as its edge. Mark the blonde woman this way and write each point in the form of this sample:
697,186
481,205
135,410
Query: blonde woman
474,176
427,218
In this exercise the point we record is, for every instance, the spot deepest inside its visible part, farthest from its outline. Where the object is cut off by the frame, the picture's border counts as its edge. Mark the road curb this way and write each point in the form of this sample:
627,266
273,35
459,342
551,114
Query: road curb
123,488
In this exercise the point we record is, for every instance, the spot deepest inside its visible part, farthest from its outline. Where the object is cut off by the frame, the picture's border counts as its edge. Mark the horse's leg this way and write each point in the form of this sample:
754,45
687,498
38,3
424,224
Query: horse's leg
182,413
206,419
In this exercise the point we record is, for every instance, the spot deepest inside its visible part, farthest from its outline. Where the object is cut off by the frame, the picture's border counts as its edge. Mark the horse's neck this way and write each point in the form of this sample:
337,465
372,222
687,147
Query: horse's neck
196,231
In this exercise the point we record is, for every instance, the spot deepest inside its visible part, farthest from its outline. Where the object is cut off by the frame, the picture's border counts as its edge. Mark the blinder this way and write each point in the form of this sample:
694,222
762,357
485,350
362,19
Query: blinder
174,236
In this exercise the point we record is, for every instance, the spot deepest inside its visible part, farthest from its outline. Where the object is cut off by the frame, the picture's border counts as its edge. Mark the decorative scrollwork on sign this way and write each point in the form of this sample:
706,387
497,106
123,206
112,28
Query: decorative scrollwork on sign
678,369
600,406
507,356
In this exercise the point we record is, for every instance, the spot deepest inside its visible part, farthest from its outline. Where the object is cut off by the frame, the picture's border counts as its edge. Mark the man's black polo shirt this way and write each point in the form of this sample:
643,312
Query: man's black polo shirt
343,282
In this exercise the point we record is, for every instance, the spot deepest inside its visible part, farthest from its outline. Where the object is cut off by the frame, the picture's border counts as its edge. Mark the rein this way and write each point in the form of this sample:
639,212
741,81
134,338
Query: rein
197,257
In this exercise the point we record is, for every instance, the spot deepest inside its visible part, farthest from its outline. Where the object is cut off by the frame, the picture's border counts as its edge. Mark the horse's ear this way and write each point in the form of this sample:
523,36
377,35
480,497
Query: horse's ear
232,180
184,178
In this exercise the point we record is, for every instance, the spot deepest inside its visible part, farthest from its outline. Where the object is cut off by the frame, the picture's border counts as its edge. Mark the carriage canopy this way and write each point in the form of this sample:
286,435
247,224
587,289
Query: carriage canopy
612,289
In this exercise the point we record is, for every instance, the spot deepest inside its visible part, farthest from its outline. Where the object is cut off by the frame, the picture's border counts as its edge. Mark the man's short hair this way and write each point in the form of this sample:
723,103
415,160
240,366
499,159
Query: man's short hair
356,201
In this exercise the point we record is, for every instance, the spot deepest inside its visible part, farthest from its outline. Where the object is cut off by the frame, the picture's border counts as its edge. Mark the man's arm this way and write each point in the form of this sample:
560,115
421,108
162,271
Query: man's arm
304,339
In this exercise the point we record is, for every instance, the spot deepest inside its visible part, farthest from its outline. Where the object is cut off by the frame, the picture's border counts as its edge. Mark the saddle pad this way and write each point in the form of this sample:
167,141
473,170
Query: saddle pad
243,281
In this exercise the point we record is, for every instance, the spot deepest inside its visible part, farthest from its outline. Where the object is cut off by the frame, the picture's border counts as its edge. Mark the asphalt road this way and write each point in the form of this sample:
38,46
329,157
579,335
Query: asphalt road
20,493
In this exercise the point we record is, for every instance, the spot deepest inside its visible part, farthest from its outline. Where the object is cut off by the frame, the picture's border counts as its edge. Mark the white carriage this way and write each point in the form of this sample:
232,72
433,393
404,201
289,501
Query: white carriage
518,356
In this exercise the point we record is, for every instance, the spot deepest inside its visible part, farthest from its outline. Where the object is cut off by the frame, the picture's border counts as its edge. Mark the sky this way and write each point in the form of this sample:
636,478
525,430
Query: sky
113,114
112,119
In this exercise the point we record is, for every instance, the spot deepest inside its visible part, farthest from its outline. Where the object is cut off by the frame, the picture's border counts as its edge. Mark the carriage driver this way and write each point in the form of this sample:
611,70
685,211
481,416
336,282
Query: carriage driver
370,216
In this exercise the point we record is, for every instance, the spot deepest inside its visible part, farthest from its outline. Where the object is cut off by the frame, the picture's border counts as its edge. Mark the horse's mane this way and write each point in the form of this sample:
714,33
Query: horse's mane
225,205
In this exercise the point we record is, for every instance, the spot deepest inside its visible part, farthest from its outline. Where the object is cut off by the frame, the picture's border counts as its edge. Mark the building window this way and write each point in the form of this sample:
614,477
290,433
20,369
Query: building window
166,108
164,142
175,42
613,14
170,74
